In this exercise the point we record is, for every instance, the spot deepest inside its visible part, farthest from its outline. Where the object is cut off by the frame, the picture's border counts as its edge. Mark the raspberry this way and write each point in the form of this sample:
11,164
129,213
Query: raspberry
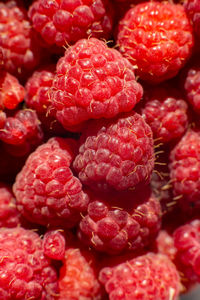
9,215
128,222
157,38
46,190
92,82
140,278
2,119
12,93
192,87
54,244
166,113
19,43
79,276
184,171
187,243
25,272
37,97
60,22
193,10
165,244
22,133
117,155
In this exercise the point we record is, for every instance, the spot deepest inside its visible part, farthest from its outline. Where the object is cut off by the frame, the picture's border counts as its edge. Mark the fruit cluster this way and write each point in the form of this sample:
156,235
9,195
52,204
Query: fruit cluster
99,149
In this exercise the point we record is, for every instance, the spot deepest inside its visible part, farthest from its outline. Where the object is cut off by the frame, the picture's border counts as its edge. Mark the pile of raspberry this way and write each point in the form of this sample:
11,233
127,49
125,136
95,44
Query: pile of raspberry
99,149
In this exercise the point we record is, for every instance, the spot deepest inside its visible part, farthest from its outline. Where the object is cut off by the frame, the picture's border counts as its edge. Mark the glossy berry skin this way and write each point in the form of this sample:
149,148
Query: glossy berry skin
63,22
165,111
192,87
46,191
11,91
184,171
157,39
140,278
19,43
21,133
116,224
117,155
25,272
9,215
79,276
187,243
93,81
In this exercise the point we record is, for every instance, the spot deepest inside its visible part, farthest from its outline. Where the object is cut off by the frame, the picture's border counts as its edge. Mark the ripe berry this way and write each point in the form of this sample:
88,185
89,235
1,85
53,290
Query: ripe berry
11,92
79,276
166,113
157,39
140,278
25,272
46,190
19,43
64,22
116,155
184,171
114,224
93,81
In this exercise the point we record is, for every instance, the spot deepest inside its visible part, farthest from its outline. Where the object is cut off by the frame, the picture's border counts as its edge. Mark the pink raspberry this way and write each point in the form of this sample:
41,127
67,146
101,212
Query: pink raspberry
187,243
124,222
184,171
9,215
25,272
140,278
12,92
93,81
157,39
79,276
116,155
61,22
37,98
19,43
46,191
192,87
165,245
166,113
21,133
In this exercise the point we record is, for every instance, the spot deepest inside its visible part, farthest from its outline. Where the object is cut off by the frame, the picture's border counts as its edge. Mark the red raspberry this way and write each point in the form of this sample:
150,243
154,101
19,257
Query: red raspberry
192,87
21,51
117,155
9,215
140,278
12,93
46,191
25,272
184,171
193,10
187,243
54,244
61,22
22,133
128,222
157,39
37,97
79,276
166,113
2,118
92,82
